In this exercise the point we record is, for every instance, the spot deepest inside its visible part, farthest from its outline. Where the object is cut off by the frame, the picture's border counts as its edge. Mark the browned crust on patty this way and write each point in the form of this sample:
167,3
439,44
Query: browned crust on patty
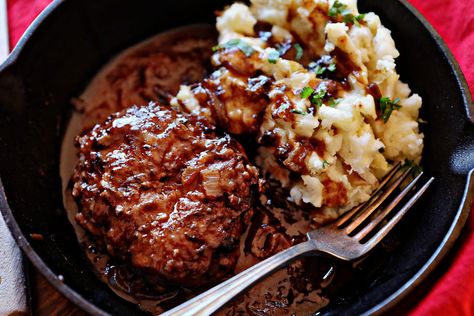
164,191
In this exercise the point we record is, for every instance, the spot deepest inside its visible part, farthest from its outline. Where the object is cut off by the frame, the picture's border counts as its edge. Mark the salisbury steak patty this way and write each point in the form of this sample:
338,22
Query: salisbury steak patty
162,190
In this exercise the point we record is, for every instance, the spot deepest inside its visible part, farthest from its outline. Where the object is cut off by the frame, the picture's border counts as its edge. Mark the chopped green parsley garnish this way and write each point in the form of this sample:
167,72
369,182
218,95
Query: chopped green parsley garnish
341,9
332,67
283,48
236,43
350,18
296,111
337,8
307,91
299,51
333,102
325,163
387,106
317,97
319,69
273,56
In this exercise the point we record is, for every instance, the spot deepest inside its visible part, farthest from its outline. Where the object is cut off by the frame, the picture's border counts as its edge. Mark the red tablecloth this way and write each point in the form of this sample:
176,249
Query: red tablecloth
453,294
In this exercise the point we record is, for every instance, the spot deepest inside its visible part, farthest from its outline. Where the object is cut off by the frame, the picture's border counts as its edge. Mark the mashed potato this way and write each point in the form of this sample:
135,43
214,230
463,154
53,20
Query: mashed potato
332,116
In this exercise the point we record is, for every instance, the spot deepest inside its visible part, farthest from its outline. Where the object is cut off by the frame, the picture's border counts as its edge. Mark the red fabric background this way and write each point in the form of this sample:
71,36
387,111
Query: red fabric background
453,294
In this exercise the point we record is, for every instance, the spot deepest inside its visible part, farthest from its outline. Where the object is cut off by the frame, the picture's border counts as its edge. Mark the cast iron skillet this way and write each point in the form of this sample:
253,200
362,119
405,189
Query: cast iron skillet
70,41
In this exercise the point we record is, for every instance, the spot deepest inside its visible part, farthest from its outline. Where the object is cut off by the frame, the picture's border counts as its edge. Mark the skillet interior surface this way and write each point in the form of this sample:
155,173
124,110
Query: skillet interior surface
74,38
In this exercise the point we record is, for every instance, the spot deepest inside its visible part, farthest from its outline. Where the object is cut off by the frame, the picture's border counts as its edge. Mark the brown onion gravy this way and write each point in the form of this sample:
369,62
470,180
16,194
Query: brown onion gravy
153,70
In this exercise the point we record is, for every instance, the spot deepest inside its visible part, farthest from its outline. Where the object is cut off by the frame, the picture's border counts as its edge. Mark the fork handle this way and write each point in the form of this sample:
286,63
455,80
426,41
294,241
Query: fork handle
213,299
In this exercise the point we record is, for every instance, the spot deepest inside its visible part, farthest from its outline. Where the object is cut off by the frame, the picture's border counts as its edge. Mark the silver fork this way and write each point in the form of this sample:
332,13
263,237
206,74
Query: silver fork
350,237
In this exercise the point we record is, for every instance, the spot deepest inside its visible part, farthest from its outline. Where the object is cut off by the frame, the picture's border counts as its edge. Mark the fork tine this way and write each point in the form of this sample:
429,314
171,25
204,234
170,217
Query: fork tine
347,216
350,214
388,227
372,207
370,226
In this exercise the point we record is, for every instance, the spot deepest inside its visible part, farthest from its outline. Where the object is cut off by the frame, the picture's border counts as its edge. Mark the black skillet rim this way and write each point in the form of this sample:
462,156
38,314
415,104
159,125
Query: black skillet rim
448,241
